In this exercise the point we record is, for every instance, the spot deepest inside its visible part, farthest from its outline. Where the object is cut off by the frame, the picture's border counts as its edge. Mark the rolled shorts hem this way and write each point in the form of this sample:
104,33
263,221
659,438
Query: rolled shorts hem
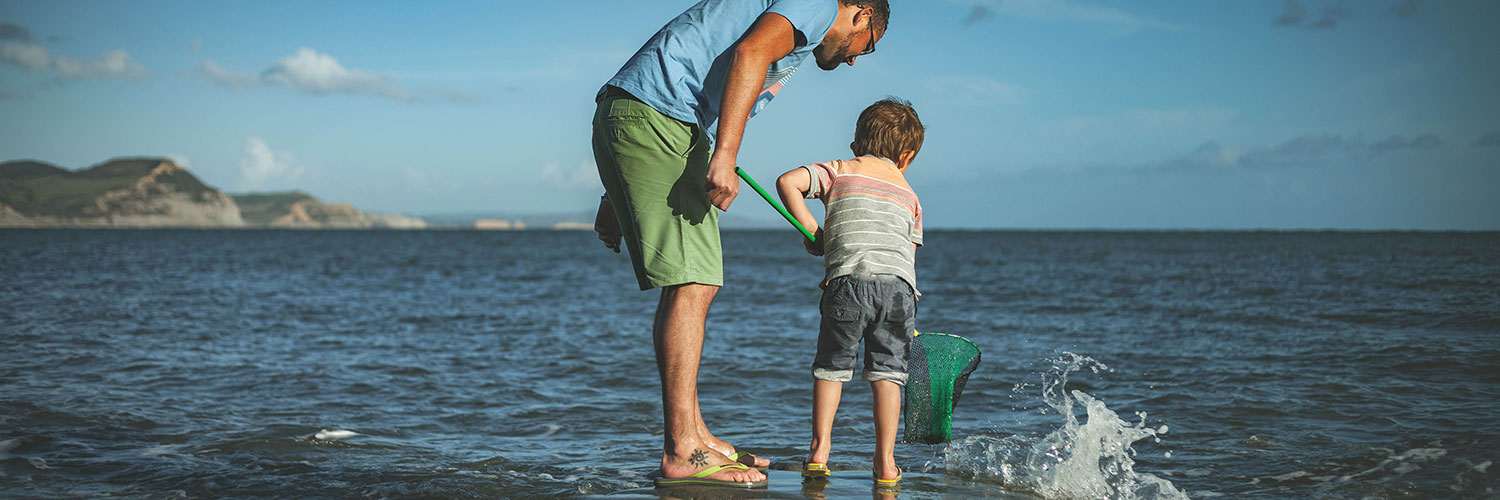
833,375
897,377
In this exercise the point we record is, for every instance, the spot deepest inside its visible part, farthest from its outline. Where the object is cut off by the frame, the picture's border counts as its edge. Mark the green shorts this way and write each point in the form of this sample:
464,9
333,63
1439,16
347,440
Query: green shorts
653,168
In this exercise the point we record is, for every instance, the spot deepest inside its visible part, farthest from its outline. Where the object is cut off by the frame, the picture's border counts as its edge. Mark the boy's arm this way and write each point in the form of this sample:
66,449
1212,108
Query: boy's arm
792,187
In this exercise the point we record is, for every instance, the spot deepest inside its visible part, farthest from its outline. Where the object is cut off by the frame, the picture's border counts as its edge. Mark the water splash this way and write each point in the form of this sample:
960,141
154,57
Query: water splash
1088,459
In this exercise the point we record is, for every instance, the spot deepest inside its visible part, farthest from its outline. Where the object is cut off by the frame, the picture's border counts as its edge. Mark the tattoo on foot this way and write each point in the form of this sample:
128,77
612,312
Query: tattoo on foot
699,458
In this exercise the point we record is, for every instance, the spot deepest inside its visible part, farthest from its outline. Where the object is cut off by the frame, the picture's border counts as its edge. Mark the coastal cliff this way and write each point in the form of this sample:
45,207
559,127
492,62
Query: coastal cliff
132,192
156,192
301,211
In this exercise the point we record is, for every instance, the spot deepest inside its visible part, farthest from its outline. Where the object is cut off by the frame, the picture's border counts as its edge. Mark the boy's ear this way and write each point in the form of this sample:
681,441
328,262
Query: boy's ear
906,158
851,148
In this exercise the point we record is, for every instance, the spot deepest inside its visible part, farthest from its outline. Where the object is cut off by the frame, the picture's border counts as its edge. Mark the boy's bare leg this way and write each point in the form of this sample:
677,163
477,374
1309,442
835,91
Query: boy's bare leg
826,394
678,337
887,415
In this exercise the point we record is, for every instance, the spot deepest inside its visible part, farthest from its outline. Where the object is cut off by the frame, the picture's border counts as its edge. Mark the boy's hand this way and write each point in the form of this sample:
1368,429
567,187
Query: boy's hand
815,245
607,226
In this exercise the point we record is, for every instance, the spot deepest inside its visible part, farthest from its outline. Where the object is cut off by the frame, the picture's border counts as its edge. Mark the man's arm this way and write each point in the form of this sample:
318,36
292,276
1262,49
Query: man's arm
771,38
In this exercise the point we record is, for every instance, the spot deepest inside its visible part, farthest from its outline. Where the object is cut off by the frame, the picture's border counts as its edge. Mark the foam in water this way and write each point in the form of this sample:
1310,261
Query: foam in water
1089,459
332,435
7,445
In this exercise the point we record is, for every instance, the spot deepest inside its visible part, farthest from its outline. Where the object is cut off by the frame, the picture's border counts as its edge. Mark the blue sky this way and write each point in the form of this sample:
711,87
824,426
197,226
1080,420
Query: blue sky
1372,114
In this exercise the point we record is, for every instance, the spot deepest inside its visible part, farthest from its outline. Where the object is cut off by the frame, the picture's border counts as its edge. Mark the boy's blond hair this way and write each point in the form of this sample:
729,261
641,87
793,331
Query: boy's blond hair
888,128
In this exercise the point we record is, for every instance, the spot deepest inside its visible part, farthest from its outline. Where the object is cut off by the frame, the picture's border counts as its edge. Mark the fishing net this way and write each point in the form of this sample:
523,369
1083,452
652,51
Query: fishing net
938,365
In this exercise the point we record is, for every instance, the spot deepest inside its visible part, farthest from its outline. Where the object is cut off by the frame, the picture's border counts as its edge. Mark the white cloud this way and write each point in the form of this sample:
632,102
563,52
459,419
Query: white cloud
181,160
115,63
309,71
1213,155
583,176
1063,10
452,94
433,180
975,91
1138,120
263,168
225,77
112,64
1308,150
26,55
313,72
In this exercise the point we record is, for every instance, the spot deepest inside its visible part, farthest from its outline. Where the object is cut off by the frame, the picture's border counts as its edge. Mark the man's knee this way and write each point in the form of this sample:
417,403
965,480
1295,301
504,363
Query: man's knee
689,293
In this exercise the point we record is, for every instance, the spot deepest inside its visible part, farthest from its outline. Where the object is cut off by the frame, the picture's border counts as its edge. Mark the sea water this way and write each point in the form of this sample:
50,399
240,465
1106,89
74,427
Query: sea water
463,364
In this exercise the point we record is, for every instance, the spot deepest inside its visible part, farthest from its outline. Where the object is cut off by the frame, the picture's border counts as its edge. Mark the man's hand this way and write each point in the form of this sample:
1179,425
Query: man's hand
722,184
815,245
770,39
607,226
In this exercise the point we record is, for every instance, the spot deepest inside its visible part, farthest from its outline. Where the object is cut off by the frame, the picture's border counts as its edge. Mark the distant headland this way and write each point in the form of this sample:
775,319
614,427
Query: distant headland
158,193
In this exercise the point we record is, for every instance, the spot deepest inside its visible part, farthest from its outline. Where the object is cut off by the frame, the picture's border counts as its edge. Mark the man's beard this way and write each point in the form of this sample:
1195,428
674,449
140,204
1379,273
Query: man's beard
830,64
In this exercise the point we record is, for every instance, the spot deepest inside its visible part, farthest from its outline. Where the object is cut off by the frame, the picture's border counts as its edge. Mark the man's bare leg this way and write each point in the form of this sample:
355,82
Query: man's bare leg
678,337
714,443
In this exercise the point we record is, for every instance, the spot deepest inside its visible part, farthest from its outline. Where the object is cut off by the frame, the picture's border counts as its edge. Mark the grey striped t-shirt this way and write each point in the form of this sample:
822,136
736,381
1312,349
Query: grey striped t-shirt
871,227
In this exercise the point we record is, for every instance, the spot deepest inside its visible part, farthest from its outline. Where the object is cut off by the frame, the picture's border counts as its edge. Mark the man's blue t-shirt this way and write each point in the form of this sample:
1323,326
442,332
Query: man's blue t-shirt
681,70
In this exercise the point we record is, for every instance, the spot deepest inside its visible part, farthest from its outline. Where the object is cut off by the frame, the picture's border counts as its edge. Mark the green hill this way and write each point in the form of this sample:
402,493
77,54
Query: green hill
259,209
36,188
156,192
28,169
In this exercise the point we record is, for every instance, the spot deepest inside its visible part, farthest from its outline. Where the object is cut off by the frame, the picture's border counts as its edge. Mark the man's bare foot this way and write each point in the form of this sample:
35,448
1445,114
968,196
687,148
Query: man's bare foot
702,457
726,449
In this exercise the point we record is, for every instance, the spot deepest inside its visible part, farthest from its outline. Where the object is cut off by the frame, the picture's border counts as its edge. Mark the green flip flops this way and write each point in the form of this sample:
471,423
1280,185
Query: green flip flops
701,479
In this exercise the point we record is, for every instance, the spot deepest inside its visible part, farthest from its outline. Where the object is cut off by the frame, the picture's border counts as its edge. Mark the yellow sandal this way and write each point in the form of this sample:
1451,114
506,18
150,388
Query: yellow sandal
814,470
888,483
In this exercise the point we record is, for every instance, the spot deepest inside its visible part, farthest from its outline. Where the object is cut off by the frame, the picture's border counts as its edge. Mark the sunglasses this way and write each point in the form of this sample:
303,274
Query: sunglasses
869,48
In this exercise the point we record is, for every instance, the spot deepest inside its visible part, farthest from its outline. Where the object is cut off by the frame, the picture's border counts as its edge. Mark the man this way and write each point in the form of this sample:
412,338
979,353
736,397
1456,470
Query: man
699,79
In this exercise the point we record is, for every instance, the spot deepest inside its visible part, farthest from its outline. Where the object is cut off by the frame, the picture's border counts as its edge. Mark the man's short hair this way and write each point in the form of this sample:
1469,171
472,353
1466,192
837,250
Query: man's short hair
882,11
888,128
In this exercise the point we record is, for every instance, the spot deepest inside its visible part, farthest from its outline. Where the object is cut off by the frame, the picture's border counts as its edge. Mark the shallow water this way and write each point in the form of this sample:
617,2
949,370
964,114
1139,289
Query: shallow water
270,364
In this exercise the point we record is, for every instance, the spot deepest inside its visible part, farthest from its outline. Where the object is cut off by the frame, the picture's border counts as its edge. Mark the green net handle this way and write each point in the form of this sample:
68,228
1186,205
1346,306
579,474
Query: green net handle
774,203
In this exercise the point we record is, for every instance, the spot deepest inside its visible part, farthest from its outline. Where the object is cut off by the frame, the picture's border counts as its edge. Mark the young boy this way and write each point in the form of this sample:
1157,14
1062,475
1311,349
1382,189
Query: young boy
873,226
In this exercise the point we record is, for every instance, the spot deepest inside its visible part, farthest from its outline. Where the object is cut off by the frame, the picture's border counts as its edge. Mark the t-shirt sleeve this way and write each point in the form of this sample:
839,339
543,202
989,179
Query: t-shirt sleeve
822,175
916,226
811,18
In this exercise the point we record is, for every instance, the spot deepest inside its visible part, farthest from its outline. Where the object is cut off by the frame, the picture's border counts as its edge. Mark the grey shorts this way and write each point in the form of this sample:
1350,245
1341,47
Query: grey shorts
880,309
